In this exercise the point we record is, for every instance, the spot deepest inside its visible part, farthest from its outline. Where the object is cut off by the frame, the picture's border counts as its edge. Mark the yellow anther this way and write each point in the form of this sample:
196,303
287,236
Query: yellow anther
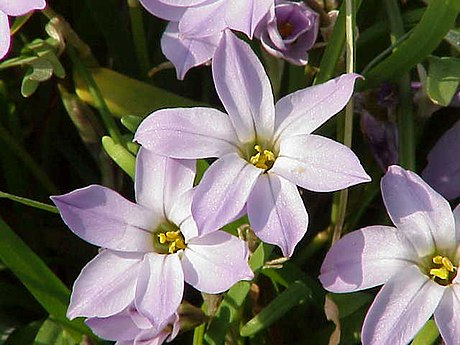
173,239
263,159
448,264
442,272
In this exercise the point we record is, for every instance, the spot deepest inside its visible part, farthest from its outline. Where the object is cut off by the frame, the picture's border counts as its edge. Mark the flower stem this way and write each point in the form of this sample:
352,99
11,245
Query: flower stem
138,33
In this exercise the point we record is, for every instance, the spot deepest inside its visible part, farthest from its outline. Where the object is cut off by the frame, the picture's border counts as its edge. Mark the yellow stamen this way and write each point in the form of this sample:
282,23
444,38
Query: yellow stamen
173,239
443,271
263,159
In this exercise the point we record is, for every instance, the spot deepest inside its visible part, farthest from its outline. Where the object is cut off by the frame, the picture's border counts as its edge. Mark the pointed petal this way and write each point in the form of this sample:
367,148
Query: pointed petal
422,214
222,192
181,215
214,262
365,258
106,285
4,35
160,286
244,89
20,7
276,212
103,217
305,110
204,20
162,10
319,164
187,133
401,308
187,52
447,315
443,169
245,15
116,327
159,180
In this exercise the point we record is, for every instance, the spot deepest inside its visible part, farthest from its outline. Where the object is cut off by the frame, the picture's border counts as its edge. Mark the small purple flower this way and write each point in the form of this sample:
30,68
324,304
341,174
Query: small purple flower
150,247
264,150
288,31
417,261
443,169
14,8
196,26
130,327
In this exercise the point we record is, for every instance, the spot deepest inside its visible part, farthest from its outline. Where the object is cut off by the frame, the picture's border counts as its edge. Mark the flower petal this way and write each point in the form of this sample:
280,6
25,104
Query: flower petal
162,10
422,214
305,110
5,39
182,3
223,192
160,286
181,215
214,262
159,180
103,217
365,258
244,89
116,327
20,7
187,133
245,15
205,20
401,308
276,212
319,164
106,285
447,315
187,52
456,213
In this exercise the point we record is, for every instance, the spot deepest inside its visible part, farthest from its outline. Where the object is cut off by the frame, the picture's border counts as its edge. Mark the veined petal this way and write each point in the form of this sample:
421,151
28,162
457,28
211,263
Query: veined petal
20,7
456,213
103,217
319,164
116,327
160,286
159,180
106,285
359,260
187,133
276,212
181,215
401,308
214,262
447,315
223,192
161,10
305,110
205,20
245,15
244,89
422,214
187,52
4,35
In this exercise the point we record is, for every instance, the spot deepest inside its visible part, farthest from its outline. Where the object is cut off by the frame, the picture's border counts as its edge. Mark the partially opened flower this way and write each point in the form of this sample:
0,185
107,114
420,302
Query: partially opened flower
196,26
130,327
14,8
264,150
288,31
417,262
150,247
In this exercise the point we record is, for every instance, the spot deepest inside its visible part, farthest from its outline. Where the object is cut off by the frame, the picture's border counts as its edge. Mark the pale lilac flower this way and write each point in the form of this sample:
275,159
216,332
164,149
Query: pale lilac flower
288,31
196,26
130,327
443,169
14,8
263,150
417,261
150,247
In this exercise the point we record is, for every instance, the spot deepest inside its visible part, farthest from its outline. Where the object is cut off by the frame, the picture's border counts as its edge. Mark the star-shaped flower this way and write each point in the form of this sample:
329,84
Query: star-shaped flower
417,262
150,247
14,8
264,150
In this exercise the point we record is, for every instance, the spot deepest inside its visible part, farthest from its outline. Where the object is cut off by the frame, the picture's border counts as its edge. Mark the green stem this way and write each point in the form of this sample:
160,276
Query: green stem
27,160
29,202
139,39
405,116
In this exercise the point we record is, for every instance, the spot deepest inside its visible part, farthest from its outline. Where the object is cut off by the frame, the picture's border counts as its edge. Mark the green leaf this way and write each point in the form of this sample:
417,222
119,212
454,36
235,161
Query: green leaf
131,122
28,86
29,202
297,293
453,37
120,155
443,79
52,333
438,19
349,303
125,95
41,282
24,335
427,335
